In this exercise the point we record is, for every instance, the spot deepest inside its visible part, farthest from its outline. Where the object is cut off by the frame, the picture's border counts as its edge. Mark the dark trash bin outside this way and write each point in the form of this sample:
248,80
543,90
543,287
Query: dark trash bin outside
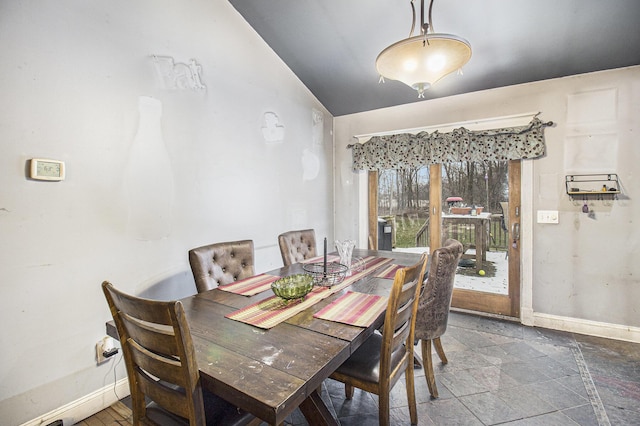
385,230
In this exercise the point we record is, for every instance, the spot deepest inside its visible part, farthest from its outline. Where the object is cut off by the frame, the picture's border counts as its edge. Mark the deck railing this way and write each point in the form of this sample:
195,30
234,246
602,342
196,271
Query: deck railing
498,237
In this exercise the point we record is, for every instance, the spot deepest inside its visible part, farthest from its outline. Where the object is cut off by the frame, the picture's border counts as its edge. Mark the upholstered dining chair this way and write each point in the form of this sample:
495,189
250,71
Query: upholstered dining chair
381,360
160,358
296,246
221,263
434,305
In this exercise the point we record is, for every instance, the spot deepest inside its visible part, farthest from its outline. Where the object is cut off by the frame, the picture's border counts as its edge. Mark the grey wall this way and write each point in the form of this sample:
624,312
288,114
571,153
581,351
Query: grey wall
580,274
71,74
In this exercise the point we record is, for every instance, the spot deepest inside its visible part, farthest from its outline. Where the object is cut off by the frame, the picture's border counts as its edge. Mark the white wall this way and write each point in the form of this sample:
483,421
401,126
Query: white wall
582,272
71,73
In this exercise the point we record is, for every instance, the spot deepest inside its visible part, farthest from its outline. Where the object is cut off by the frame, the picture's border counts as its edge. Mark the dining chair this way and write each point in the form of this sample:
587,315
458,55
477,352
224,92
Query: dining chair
434,306
160,359
296,246
382,358
221,263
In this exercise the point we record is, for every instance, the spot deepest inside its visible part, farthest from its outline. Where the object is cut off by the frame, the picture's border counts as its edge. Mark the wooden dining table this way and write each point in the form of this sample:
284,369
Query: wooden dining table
270,372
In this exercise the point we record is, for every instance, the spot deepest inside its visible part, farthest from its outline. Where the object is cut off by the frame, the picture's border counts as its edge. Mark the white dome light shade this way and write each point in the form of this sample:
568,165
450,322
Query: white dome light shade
421,61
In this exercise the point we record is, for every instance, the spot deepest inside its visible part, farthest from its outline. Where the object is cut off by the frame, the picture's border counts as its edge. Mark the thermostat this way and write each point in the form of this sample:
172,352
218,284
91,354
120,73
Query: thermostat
43,169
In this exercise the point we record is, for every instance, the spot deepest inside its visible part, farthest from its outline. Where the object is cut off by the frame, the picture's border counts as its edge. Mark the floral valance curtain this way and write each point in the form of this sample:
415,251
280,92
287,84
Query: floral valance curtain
407,150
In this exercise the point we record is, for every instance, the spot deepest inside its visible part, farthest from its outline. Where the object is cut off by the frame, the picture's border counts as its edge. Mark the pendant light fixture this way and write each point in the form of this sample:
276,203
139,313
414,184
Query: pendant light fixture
421,61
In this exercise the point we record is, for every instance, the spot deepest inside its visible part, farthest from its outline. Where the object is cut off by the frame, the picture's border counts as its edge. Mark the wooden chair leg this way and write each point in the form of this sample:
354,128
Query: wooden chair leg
138,406
438,344
428,368
411,394
348,391
384,409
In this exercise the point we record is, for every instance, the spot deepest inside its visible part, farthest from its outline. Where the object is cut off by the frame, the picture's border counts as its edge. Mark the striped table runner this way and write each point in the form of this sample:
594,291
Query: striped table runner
272,311
330,258
372,263
250,286
353,308
389,272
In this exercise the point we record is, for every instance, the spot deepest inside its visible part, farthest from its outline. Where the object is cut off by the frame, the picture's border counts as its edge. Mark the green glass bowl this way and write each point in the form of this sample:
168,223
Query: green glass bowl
293,287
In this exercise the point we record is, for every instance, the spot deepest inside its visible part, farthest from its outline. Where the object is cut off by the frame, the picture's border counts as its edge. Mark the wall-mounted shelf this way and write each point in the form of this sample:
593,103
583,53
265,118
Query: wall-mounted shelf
597,186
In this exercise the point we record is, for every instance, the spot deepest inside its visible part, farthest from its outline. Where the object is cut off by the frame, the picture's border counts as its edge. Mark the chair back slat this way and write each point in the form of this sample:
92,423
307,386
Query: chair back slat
162,367
141,309
165,396
400,336
156,339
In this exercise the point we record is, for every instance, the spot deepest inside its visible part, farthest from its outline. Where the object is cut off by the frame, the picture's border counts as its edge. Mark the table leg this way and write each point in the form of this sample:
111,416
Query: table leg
316,412
485,238
479,246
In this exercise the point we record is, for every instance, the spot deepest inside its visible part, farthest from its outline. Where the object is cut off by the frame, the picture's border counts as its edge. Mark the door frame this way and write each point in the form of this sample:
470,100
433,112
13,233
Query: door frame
500,304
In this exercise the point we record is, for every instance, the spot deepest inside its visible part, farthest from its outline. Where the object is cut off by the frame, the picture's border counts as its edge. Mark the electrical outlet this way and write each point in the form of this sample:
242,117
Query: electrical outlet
105,348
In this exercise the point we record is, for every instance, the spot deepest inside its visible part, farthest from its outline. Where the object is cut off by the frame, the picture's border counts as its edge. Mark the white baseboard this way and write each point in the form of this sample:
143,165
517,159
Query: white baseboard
526,316
84,407
590,328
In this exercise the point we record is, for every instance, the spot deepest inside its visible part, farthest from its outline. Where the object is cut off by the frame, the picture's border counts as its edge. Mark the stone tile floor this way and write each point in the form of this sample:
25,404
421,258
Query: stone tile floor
501,372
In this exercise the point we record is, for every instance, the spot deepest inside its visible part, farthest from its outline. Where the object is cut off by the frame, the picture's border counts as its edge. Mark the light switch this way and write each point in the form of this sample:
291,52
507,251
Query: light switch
547,216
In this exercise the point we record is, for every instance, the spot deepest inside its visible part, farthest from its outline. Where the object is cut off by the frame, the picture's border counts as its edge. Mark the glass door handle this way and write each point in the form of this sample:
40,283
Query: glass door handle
515,231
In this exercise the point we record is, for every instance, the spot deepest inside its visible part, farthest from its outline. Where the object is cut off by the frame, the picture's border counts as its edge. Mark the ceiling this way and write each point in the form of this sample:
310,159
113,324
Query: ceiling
332,45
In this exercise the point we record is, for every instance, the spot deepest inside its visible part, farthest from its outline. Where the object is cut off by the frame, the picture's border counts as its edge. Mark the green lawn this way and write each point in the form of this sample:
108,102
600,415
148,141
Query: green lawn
406,230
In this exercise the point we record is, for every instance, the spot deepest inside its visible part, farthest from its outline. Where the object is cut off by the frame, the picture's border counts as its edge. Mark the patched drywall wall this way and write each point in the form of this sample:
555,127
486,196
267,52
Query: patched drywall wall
580,273
72,74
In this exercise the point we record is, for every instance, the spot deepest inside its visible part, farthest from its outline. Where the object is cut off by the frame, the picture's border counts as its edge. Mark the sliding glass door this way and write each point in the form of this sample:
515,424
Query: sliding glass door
420,208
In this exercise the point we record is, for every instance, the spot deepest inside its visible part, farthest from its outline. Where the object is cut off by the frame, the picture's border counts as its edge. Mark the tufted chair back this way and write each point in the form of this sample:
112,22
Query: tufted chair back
296,246
434,305
435,301
221,263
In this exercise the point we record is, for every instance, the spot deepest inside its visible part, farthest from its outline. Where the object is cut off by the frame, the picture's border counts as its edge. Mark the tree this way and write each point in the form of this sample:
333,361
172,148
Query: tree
482,183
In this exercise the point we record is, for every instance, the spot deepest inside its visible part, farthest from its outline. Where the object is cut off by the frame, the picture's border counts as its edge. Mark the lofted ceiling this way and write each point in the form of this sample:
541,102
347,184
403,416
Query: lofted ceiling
332,45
